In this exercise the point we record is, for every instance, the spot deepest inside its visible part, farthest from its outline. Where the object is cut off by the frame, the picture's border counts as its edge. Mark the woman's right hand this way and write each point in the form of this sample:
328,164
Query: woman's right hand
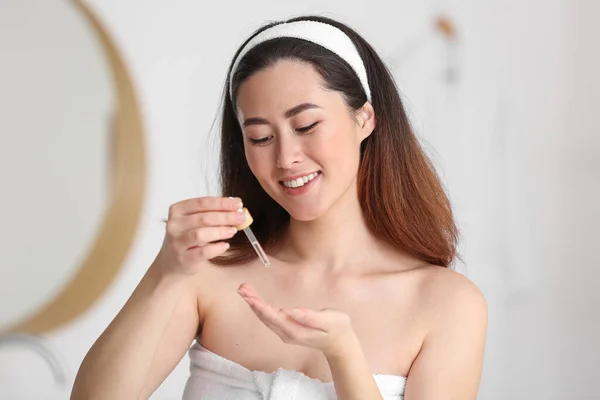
195,232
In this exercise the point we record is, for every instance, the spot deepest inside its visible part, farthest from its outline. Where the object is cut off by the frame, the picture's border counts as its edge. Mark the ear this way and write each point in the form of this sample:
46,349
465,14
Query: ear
365,116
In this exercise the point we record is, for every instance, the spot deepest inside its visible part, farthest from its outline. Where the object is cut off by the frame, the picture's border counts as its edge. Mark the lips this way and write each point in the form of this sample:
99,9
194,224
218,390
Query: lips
299,180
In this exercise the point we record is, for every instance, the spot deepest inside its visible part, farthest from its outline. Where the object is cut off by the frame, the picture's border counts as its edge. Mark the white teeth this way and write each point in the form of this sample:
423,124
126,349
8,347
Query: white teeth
300,181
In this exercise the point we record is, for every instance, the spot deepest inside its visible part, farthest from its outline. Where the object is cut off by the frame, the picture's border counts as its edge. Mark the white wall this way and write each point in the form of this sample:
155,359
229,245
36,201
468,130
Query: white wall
514,139
575,282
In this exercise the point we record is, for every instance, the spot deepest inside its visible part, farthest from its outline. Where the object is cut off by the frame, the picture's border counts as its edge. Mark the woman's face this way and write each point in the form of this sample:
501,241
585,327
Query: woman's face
301,141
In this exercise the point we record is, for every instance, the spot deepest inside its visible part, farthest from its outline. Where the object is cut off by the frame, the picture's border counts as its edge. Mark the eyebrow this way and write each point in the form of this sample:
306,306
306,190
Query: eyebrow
288,114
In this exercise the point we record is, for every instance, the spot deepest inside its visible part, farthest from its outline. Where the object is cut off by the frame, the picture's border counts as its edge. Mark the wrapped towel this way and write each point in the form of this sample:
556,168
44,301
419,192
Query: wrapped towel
213,377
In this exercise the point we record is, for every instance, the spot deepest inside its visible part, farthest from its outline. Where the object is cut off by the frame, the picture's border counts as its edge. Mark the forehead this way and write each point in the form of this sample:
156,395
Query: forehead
281,86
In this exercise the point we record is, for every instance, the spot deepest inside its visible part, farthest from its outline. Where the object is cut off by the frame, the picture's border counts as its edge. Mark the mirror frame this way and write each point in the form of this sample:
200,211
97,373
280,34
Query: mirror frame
117,230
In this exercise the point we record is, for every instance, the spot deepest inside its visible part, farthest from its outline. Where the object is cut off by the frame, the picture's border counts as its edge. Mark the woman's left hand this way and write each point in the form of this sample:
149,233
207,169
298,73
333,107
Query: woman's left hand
327,330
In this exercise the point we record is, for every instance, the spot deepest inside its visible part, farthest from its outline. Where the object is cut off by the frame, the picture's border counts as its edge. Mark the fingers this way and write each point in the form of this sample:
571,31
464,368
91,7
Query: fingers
247,290
204,236
190,224
271,316
315,319
211,218
325,320
209,251
203,204
327,330
279,320
196,230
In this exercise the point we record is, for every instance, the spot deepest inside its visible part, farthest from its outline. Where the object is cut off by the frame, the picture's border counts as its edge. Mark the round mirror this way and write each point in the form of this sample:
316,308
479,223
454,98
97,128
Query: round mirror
71,163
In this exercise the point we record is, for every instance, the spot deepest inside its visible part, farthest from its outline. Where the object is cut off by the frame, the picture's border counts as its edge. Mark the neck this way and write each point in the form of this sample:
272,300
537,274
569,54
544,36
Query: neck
338,239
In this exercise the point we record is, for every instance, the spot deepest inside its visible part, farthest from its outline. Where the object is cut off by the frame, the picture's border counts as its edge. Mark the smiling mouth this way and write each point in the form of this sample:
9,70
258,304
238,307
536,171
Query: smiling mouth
299,182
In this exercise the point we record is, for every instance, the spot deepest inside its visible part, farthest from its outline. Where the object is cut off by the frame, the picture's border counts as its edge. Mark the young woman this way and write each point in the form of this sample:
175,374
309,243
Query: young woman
359,301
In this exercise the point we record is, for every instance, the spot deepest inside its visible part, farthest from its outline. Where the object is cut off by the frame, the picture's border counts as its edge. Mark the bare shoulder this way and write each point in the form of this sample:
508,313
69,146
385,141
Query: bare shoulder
450,297
453,345
213,282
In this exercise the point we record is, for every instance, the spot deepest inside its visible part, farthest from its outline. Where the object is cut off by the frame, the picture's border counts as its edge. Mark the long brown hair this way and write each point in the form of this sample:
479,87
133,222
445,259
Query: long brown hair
402,198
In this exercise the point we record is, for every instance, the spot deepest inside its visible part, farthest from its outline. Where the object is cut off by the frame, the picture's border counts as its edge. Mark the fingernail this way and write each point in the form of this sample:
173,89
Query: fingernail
297,313
239,203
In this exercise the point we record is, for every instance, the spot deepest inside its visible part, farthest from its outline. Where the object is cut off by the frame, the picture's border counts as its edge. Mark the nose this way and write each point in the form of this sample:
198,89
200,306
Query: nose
289,151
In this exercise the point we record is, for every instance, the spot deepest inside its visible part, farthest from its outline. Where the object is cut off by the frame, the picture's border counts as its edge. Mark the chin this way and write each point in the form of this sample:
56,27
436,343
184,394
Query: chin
299,210
303,215
306,212
304,209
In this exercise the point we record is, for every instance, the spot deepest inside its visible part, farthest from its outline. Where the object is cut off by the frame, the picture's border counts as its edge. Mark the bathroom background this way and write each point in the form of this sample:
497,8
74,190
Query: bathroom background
106,111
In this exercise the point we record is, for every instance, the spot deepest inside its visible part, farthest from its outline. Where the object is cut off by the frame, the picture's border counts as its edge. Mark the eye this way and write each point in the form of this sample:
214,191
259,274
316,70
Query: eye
307,128
261,140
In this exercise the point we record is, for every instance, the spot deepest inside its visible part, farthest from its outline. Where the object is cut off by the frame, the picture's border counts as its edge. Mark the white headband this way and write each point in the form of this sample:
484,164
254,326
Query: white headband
325,35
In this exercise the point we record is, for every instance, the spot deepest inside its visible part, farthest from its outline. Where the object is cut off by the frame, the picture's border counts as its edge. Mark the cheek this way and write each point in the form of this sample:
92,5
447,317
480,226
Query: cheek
258,161
338,147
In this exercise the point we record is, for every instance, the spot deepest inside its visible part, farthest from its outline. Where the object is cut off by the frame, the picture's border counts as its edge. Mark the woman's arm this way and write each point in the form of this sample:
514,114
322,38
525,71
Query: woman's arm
450,362
351,374
143,343
159,321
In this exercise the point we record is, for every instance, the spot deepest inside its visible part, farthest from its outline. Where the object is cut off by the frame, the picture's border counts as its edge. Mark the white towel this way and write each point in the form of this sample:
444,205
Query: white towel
213,377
